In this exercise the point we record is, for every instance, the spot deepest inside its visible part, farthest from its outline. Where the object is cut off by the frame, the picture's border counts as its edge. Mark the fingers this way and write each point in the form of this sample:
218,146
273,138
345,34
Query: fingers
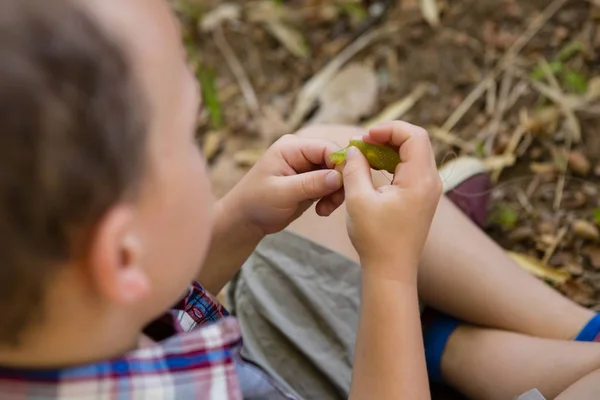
357,175
306,154
311,185
328,204
416,151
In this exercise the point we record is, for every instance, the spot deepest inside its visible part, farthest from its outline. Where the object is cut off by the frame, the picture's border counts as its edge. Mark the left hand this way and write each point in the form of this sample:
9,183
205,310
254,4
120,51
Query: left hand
292,174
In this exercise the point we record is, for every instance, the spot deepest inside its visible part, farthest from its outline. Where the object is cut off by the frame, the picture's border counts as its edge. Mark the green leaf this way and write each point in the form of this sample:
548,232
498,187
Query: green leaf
570,50
505,216
575,81
210,96
538,73
597,216
354,10
480,148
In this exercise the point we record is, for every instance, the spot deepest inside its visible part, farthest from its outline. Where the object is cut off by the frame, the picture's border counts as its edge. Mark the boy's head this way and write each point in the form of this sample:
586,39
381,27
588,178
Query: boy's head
104,200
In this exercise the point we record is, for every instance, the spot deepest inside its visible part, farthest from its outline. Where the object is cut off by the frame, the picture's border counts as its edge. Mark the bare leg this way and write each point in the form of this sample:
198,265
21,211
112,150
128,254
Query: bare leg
488,364
463,272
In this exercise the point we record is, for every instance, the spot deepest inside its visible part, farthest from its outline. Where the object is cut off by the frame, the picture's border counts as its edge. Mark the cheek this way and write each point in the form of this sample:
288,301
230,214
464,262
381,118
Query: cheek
179,234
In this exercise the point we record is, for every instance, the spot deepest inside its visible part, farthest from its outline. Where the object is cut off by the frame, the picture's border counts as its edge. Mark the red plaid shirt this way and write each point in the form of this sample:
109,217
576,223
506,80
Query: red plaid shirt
196,356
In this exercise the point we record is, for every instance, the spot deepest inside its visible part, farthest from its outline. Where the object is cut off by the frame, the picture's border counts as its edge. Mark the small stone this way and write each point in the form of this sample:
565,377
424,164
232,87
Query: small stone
579,163
590,190
585,230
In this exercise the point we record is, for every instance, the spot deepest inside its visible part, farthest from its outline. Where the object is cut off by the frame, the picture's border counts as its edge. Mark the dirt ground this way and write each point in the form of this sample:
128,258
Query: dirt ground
514,82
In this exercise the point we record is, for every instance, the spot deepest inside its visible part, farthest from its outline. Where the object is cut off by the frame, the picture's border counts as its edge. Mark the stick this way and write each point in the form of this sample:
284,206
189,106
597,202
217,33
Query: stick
238,71
504,62
397,109
311,89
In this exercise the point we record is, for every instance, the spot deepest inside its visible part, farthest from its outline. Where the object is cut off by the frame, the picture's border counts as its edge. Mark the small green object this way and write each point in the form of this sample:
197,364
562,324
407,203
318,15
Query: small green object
379,157
505,216
576,81
597,216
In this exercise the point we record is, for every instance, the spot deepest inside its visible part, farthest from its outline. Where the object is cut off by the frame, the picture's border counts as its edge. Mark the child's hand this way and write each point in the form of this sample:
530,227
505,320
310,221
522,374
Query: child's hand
285,182
388,225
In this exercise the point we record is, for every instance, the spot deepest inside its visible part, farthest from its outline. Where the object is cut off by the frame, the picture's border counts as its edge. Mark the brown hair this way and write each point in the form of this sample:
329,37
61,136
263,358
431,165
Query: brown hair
72,143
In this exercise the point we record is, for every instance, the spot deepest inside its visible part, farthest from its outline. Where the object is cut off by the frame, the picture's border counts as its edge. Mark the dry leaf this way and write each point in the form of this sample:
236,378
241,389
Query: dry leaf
579,163
398,109
349,96
431,12
211,144
289,37
224,12
593,91
585,230
520,234
593,254
539,269
248,157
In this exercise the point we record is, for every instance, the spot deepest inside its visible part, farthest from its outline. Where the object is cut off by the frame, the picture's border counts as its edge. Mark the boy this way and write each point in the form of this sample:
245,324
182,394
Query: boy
107,216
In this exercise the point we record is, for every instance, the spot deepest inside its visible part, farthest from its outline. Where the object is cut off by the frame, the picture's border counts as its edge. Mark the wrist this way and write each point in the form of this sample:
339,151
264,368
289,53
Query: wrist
230,218
403,270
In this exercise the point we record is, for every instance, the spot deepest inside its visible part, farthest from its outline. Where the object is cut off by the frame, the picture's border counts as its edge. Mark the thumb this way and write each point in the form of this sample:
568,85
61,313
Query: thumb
313,185
356,173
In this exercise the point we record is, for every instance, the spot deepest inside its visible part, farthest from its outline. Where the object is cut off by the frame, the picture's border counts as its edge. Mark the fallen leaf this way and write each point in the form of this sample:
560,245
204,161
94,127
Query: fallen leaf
580,292
289,37
211,144
585,230
544,121
431,12
539,269
248,157
593,90
349,96
397,109
543,168
579,163
593,255
223,13
520,234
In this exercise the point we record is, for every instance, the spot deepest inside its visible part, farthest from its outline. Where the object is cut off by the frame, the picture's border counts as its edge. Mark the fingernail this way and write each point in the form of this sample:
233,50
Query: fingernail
333,180
351,152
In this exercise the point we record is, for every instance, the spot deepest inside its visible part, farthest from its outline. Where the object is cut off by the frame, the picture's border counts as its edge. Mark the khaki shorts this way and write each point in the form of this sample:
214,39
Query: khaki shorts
298,306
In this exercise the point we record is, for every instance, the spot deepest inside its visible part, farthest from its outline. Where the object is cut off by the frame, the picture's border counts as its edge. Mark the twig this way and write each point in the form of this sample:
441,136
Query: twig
572,121
513,144
504,62
525,203
490,103
311,89
399,108
238,71
451,139
550,251
494,126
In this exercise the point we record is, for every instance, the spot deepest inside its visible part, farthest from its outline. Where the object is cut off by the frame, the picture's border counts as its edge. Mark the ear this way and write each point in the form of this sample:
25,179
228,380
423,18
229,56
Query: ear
116,258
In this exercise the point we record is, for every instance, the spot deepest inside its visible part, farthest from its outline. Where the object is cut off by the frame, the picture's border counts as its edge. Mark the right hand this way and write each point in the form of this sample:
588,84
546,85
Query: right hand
388,225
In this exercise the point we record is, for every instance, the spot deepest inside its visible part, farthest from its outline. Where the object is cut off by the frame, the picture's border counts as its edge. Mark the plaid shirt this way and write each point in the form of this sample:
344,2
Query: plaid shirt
196,356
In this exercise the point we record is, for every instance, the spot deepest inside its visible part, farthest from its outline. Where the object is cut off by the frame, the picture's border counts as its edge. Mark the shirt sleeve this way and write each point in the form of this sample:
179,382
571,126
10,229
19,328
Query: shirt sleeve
198,308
